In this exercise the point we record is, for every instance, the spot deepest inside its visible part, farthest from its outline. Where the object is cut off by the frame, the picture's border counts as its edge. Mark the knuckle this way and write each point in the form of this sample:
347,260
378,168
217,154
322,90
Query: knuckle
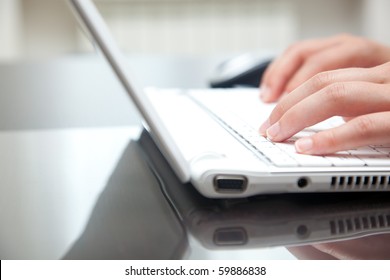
380,72
364,126
298,51
335,93
322,79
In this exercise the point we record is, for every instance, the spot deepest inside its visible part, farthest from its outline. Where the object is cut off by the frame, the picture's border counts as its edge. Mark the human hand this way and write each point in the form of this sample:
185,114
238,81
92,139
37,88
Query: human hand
374,247
304,59
362,94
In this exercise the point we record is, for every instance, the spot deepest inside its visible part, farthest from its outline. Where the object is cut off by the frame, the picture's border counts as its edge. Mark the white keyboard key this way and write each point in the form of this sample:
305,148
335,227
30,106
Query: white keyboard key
287,147
311,161
377,160
365,151
345,160
265,146
278,157
272,152
284,161
304,160
258,140
385,151
380,146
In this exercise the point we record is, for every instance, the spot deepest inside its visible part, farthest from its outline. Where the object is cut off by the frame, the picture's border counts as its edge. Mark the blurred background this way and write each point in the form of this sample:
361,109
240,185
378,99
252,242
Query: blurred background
36,29
48,80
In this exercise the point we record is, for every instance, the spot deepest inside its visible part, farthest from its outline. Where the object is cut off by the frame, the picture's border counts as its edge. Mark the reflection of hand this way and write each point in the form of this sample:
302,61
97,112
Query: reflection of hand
359,93
372,247
305,59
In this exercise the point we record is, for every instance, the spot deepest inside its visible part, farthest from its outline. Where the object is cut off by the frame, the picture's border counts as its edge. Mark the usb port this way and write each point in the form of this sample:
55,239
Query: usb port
230,183
230,237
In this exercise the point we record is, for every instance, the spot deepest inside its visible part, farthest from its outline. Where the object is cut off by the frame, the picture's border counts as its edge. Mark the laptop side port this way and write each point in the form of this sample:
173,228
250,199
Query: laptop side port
230,183
230,237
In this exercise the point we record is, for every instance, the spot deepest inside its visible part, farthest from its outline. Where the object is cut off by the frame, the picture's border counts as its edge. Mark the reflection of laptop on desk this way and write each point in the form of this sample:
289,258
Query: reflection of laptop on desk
269,220
210,138
295,222
284,220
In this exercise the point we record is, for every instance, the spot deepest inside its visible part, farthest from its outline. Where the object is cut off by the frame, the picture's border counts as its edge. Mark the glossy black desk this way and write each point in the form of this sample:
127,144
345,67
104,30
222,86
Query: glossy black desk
146,213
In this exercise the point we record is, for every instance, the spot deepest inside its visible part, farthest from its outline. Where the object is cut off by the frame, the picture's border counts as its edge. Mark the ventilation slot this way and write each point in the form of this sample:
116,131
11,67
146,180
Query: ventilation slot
358,224
370,183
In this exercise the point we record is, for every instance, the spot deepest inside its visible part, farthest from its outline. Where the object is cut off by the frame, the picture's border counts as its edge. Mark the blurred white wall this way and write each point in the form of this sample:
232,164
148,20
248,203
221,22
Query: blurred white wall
10,29
48,28
201,26
376,20
45,28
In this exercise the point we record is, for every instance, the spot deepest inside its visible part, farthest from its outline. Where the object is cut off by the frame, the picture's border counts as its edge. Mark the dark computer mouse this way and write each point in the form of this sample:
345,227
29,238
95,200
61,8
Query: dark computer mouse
243,70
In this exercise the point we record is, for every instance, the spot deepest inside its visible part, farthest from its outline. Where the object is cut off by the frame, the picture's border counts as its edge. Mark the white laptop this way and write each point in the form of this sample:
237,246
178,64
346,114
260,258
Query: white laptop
210,138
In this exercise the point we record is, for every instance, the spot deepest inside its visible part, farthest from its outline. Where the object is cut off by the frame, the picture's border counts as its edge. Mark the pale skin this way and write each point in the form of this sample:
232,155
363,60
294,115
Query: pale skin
339,76
373,247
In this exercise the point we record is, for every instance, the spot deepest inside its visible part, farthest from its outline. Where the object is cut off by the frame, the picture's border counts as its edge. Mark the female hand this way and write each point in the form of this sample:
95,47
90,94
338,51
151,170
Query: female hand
305,59
361,94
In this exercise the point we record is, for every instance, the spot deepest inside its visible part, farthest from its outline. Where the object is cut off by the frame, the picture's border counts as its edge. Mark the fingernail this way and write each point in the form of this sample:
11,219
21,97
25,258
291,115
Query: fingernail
264,92
304,145
273,131
263,128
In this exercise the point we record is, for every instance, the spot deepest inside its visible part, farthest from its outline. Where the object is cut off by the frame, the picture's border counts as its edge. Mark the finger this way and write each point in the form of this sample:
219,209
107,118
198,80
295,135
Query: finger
335,57
308,252
372,129
315,84
348,99
282,69
369,247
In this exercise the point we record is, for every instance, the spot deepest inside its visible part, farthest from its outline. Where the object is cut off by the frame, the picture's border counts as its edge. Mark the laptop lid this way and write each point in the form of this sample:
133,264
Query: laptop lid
95,24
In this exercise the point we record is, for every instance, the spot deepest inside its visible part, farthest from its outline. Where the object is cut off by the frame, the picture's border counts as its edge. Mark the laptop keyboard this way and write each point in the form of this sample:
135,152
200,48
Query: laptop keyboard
238,111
